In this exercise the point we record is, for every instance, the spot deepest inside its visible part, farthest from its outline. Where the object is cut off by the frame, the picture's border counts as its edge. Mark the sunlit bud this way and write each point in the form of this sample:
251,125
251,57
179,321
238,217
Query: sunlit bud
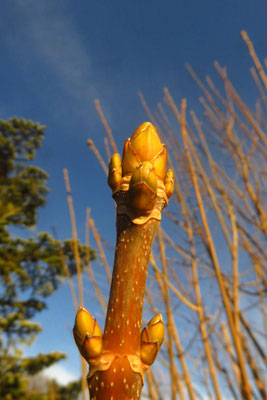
151,339
143,187
154,331
144,145
92,347
115,171
130,160
169,182
148,352
84,322
146,141
160,162
87,334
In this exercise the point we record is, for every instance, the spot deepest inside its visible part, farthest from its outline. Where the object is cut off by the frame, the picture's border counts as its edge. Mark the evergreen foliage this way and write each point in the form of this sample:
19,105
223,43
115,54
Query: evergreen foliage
30,268
50,389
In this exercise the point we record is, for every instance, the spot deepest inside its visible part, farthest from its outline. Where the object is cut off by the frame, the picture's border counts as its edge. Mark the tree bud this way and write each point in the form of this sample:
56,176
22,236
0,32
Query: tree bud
144,145
151,339
143,187
169,182
115,171
87,334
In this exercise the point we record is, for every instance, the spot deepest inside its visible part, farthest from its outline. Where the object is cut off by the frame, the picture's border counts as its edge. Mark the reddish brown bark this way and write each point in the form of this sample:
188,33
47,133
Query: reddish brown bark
121,341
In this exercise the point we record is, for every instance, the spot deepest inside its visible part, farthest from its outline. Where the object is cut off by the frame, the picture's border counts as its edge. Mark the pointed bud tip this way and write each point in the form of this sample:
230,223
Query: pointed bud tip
146,142
144,145
84,322
157,318
154,331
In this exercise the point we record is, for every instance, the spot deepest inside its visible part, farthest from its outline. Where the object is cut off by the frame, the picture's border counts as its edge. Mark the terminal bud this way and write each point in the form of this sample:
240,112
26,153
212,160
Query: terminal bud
144,145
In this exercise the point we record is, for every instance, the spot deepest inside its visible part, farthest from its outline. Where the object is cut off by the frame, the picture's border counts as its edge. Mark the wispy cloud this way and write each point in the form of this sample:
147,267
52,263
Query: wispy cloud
46,31
60,374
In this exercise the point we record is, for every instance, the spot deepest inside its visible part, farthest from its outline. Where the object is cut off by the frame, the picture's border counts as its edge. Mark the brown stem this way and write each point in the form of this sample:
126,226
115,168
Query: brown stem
123,379
141,188
124,315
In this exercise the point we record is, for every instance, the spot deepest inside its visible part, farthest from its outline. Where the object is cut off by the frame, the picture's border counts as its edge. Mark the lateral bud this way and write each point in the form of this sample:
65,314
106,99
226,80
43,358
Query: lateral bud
115,171
169,183
87,334
151,339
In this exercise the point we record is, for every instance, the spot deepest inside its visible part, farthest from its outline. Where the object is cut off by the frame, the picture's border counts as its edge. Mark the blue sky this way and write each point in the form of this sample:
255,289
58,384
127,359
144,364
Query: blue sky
58,56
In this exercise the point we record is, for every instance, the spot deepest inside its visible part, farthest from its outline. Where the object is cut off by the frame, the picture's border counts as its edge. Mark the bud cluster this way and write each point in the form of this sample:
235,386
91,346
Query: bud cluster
142,172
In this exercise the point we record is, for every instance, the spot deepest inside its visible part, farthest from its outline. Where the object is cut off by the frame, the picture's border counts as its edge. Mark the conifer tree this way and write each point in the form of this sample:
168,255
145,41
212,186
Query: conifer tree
30,267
